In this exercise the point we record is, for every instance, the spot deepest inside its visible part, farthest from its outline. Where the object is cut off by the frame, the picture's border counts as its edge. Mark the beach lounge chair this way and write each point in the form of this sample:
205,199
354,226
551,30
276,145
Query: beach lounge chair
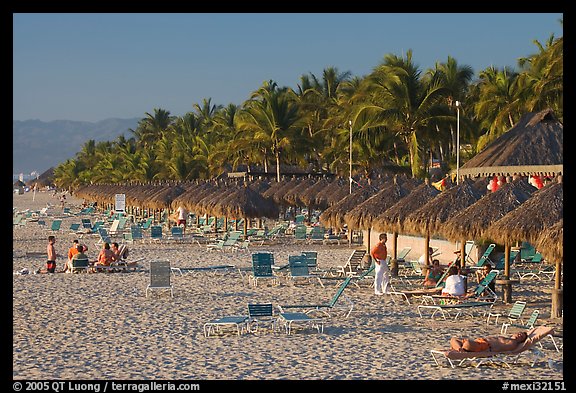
86,223
323,307
56,225
485,257
300,233
80,265
74,228
401,256
316,235
156,233
527,252
290,318
352,265
455,308
482,291
260,314
136,232
216,326
514,314
262,269
299,269
456,358
501,262
147,223
467,250
530,322
446,305
177,233
103,237
311,259
200,269
113,230
160,277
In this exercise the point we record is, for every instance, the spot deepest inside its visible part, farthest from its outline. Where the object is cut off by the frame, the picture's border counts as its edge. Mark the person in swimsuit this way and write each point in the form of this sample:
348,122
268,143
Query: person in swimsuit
490,343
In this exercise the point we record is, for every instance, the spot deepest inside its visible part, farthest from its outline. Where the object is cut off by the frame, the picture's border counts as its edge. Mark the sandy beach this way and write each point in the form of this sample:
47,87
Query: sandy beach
102,326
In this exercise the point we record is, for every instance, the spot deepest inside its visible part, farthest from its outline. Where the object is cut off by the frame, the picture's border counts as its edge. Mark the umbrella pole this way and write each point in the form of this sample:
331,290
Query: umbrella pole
394,261
368,247
427,249
557,292
463,254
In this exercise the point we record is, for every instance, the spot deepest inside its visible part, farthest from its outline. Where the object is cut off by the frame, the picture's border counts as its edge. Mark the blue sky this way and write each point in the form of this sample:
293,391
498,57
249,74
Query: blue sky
91,67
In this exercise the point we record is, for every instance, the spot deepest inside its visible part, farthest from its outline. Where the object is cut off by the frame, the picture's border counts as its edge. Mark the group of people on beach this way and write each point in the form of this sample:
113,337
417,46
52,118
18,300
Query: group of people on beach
454,285
108,254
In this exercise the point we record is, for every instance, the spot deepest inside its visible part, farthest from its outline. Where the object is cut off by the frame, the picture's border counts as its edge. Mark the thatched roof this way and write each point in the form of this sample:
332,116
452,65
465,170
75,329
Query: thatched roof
334,192
550,243
333,216
45,179
363,215
471,222
534,146
308,196
429,217
525,223
245,202
292,196
392,220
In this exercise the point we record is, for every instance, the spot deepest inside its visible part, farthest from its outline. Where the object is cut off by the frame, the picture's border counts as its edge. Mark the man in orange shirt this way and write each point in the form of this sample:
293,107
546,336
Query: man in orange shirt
382,277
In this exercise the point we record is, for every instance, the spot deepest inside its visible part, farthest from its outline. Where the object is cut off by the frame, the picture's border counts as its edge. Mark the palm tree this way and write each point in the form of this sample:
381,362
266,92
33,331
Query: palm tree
151,128
404,103
456,79
272,117
542,78
499,104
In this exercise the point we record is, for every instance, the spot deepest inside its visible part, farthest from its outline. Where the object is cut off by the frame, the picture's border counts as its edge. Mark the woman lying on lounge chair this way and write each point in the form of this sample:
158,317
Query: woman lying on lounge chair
490,343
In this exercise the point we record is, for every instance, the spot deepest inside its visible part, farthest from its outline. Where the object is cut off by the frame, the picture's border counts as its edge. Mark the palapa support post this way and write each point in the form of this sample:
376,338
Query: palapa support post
394,260
463,255
557,303
557,293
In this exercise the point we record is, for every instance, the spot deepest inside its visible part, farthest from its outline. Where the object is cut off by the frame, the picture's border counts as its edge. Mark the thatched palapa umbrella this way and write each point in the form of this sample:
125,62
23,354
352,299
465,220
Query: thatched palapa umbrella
392,220
246,203
472,222
542,210
430,217
333,216
550,243
333,193
534,146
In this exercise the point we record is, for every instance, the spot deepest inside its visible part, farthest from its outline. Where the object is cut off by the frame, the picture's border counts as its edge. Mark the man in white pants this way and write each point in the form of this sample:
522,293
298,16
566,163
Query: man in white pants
382,277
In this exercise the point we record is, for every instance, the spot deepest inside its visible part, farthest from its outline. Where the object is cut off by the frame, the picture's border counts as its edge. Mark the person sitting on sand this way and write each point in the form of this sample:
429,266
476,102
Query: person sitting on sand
490,343
454,285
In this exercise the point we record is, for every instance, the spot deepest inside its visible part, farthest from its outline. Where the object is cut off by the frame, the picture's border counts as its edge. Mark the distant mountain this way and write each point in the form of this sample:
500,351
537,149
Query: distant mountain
40,145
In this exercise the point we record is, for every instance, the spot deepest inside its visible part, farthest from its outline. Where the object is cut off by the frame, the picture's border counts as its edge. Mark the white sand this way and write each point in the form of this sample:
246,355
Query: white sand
101,326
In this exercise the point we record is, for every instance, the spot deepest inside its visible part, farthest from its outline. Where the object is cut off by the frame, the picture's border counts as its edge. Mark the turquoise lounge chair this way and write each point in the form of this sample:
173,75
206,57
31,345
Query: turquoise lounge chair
299,269
486,256
323,307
